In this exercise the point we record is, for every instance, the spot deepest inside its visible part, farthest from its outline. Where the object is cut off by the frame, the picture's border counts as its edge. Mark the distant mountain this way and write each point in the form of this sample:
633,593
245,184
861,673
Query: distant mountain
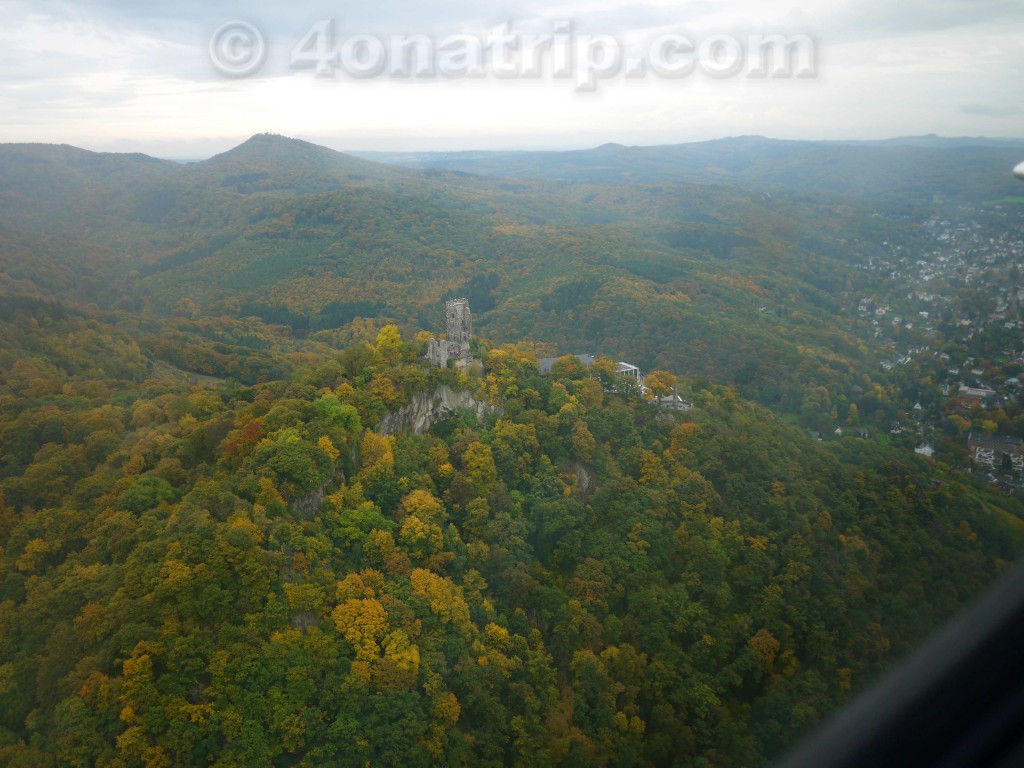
101,215
268,161
58,181
44,180
725,276
904,169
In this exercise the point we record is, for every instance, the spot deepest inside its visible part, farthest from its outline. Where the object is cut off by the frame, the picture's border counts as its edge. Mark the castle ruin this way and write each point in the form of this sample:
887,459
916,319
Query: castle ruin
459,328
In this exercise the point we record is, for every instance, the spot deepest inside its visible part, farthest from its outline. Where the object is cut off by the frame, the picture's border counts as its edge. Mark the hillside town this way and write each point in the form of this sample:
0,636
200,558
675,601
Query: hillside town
946,312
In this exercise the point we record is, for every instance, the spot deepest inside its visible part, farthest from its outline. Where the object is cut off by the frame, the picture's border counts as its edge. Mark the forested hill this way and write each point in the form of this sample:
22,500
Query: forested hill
913,169
282,239
239,575
209,557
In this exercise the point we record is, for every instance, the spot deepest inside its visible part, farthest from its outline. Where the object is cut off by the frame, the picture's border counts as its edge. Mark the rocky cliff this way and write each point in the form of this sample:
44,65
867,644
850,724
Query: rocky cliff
428,408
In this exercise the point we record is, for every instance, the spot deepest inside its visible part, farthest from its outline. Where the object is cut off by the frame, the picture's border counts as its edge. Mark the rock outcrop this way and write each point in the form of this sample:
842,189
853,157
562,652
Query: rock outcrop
428,408
309,505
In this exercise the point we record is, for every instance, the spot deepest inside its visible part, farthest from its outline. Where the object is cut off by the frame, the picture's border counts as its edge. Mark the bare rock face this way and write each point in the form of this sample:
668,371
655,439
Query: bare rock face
586,481
309,505
428,408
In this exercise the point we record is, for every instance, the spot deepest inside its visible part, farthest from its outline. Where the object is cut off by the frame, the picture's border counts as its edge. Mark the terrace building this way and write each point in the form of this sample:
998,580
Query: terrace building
999,454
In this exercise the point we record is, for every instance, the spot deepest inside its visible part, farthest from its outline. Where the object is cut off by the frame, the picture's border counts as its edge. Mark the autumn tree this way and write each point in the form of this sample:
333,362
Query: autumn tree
660,383
389,343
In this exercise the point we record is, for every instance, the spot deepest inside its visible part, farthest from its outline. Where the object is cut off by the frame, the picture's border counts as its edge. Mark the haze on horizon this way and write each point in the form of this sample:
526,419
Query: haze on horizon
114,75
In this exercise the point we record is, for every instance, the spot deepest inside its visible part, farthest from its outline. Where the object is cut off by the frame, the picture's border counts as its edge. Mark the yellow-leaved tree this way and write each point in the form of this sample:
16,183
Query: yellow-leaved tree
660,383
364,623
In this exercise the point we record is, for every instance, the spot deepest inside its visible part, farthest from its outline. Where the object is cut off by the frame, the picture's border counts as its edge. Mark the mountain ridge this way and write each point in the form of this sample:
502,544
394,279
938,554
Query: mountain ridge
314,243
907,168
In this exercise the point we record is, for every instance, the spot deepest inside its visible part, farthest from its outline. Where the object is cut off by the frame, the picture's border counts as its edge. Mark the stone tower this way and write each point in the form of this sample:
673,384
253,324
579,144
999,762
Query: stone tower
459,324
459,328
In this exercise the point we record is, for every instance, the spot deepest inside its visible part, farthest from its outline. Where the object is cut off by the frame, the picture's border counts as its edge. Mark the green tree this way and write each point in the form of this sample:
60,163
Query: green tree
145,493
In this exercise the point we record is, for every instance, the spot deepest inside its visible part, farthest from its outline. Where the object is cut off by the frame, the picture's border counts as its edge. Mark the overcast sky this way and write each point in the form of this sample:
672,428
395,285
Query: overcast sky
129,75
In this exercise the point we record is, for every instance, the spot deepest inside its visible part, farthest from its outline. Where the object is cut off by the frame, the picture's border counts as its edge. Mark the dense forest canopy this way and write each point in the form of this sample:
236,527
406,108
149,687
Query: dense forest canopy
211,555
